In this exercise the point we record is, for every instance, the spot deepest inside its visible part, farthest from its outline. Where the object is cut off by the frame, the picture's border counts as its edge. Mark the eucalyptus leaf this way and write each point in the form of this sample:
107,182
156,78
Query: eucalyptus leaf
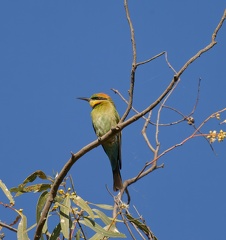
22,227
56,232
103,233
103,206
103,217
65,216
83,205
40,204
7,193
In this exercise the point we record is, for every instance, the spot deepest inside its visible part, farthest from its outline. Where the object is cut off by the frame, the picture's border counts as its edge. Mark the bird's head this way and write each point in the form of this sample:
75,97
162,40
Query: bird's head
97,99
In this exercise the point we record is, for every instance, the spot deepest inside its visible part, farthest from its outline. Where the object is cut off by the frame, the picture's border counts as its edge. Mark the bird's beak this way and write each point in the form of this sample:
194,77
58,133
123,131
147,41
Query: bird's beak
84,98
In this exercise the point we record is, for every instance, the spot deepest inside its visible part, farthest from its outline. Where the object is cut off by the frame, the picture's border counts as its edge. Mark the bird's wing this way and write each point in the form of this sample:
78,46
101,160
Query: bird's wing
119,150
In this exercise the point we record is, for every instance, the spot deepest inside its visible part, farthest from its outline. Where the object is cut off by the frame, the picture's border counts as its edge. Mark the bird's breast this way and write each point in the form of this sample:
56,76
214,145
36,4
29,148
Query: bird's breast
102,121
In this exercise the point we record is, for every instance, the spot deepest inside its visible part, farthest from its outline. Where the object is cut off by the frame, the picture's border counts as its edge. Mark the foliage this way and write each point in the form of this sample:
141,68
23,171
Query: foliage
74,214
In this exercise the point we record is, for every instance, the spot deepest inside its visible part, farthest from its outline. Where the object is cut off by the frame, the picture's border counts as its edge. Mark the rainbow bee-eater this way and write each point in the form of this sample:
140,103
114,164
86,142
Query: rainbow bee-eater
105,116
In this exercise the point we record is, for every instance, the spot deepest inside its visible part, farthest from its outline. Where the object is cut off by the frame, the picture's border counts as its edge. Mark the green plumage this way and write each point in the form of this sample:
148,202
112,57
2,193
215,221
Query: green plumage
105,116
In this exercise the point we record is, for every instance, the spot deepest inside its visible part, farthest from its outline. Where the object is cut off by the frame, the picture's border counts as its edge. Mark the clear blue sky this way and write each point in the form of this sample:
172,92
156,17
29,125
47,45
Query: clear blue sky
54,51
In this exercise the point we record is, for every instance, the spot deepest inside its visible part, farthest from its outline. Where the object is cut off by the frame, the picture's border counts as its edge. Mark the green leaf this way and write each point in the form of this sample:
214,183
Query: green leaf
97,236
109,228
7,193
77,236
33,188
37,187
103,217
16,190
40,204
34,175
45,227
139,224
56,232
65,216
98,229
21,188
83,205
22,227
31,227
103,206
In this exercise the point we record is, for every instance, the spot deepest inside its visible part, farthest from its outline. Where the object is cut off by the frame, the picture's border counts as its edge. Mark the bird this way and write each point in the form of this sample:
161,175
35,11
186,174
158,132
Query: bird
105,116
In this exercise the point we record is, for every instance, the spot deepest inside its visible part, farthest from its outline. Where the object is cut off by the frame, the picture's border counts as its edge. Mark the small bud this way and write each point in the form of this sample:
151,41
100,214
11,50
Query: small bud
190,120
61,191
54,207
218,116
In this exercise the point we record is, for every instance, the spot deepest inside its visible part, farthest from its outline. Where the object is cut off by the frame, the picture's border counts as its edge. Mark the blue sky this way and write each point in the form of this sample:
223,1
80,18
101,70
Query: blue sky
54,51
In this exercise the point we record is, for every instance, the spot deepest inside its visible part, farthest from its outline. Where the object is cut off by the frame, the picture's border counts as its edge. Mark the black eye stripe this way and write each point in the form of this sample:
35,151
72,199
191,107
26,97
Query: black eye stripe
98,98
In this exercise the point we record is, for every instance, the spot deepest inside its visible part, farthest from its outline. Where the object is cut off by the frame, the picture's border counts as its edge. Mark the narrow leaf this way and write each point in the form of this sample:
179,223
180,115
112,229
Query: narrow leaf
83,205
97,236
103,206
65,216
22,227
103,217
77,236
37,187
56,232
7,193
40,204
33,188
20,189
98,229
139,224
34,175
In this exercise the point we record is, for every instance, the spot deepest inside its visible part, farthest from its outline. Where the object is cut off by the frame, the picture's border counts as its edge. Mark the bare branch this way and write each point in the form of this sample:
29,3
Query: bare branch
144,172
168,63
128,227
197,99
134,63
150,234
145,134
8,227
151,59
194,134
208,47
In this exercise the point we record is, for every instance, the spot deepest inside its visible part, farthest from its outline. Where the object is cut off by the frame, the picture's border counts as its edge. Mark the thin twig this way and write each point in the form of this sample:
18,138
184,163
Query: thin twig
135,226
8,227
145,134
197,99
150,234
151,59
184,117
194,134
168,63
134,63
208,47
128,227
